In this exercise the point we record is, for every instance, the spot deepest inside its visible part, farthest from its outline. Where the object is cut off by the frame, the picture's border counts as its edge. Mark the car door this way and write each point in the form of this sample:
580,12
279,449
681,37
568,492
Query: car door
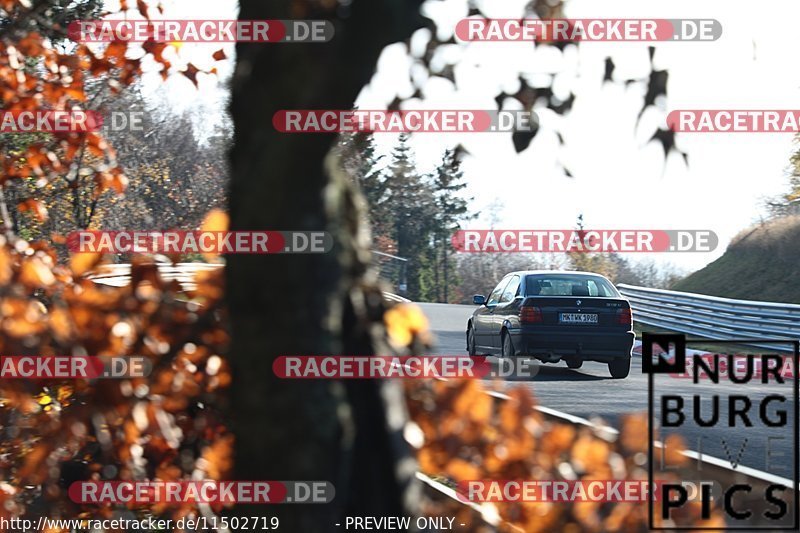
507,306
483,318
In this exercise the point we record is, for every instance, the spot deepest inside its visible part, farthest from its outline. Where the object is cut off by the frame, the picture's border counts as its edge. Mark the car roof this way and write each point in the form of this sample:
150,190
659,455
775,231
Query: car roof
545,272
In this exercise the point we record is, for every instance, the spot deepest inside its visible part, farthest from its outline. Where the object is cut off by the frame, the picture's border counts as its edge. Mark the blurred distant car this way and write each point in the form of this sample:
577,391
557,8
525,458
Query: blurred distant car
554,316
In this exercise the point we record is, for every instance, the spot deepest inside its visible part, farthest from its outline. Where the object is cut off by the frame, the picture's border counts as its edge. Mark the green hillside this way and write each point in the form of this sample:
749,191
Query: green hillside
761,263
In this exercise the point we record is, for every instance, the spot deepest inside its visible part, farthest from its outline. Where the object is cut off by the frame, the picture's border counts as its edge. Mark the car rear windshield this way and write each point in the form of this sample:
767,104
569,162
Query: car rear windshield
569,285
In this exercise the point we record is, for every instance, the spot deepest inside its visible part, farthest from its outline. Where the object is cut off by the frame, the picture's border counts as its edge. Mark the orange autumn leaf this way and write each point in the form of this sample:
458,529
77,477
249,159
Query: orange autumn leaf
117,50
35,207
404,322
30,471
633,434
589,452
82,262
219,457
156,49
61,324
511,413
462,470
674,446
141,6
473,403
558,440
36,274
215,221
6,270
191,73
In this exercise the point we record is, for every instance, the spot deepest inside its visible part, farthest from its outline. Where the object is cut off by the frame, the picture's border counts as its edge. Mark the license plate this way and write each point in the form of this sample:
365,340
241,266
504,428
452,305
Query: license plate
578,318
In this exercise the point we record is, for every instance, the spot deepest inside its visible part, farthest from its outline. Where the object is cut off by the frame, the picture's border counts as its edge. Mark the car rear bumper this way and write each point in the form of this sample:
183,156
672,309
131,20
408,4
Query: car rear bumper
555,343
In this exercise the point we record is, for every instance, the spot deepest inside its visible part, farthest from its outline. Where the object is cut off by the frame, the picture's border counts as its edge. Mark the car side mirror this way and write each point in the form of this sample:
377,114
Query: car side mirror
479,299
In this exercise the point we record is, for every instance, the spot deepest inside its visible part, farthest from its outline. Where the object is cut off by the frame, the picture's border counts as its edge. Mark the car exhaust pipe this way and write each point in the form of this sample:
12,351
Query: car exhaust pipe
550,357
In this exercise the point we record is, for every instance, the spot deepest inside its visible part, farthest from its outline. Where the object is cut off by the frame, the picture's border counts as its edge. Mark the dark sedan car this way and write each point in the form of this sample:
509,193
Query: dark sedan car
554,316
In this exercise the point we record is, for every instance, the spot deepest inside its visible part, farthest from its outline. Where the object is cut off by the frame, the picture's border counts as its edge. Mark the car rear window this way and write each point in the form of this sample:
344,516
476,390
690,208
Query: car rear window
569,285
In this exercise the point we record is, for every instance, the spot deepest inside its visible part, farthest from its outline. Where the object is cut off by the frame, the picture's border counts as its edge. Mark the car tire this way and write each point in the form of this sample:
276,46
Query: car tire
471,342
620,368
508,347
574,363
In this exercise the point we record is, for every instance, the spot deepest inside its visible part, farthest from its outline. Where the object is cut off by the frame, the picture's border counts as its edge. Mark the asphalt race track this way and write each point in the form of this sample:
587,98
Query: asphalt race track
590,392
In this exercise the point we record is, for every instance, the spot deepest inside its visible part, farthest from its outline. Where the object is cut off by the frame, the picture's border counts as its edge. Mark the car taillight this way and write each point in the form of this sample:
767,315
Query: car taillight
530,315
624,317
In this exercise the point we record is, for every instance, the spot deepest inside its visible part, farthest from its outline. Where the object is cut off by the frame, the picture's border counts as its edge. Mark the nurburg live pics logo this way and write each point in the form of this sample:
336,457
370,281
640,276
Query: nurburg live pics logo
761,411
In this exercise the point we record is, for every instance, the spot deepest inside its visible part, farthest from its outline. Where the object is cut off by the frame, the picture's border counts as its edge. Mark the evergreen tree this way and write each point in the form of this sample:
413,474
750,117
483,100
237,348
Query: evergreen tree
429,288
597,262
364,164
416,213
451,210
788,203
412,202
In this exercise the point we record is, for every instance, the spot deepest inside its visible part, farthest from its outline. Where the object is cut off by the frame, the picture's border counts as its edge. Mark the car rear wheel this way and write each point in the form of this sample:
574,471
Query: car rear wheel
471,342
620,368
574,362
508,346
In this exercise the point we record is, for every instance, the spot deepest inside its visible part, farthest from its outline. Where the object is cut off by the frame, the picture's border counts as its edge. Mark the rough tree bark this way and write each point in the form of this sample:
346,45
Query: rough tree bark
308,304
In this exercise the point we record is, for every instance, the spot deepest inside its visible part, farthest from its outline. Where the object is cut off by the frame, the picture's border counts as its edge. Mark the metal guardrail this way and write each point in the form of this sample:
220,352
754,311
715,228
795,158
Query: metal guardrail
119,275
712,317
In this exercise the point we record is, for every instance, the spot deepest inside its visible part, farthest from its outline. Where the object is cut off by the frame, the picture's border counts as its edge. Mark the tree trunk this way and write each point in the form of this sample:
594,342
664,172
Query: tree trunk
303,304
437,282
446,272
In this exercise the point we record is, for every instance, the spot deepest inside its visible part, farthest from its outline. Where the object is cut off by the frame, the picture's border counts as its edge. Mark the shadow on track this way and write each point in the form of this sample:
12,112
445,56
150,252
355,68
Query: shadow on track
537,371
